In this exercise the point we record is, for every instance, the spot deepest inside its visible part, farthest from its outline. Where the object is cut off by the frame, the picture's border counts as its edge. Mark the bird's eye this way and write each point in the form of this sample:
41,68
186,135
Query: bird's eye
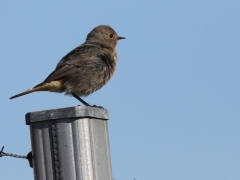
110,35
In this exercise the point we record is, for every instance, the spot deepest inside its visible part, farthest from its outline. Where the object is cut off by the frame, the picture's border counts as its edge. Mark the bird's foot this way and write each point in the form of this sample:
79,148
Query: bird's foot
94,106
98,106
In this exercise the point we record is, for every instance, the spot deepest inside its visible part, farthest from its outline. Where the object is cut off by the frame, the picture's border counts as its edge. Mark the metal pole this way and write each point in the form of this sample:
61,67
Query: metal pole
70,143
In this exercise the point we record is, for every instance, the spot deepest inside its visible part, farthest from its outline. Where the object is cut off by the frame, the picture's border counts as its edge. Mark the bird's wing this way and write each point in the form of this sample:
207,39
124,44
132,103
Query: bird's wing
69,64
80,52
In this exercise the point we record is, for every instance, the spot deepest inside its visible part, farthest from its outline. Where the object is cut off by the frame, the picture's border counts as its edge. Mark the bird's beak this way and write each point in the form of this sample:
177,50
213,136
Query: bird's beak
119,37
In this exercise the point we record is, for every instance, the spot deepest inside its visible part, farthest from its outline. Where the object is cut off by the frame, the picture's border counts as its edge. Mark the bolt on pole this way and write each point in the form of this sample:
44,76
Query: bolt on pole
70,143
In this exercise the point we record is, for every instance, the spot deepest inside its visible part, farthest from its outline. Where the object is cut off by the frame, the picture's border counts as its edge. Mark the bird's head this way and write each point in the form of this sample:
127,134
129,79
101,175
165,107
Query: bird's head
103,35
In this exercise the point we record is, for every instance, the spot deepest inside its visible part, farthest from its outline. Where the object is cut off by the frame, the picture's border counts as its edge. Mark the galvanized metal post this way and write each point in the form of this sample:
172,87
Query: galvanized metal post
70,143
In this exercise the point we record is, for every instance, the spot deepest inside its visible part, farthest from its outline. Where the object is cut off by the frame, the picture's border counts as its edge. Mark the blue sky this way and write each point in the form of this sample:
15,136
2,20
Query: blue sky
173,101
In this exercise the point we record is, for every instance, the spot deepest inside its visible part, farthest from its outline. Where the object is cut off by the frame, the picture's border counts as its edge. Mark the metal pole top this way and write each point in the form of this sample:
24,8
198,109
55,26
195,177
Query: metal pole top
67,113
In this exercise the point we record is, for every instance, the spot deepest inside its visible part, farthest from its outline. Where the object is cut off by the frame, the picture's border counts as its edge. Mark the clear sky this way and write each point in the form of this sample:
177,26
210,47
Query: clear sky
175,97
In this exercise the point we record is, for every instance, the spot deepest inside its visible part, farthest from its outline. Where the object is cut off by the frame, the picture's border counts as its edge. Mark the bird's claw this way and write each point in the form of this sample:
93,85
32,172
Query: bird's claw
98,106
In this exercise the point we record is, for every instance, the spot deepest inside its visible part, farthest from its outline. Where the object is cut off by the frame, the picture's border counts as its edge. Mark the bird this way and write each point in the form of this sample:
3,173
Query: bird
85,69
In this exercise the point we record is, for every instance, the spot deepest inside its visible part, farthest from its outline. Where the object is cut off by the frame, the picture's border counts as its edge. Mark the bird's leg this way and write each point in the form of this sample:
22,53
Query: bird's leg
84,102
78,98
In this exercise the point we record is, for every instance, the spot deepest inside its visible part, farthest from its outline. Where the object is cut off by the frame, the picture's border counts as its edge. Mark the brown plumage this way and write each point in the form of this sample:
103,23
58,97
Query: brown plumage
86,68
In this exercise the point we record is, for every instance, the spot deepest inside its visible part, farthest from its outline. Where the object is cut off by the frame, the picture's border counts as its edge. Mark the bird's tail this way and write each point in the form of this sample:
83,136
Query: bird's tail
23,93
53,86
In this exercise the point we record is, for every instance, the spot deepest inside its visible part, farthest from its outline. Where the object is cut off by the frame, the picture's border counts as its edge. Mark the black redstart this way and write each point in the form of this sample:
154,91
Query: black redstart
86,68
